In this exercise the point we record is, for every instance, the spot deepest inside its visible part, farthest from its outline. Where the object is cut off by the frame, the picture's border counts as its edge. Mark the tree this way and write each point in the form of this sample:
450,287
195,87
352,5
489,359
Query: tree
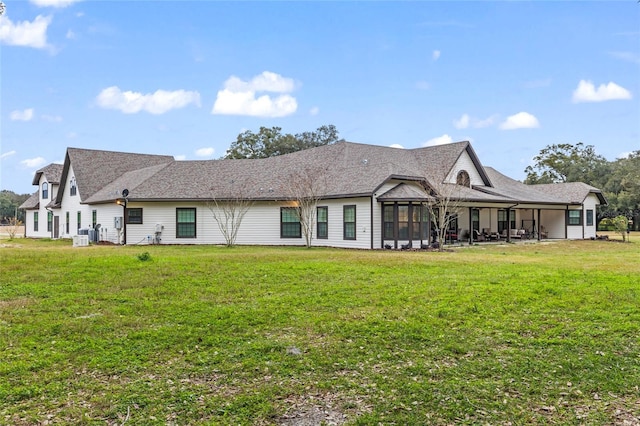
228,210
444,209
9,203
568,163
307,184
622,189
620,224
270,142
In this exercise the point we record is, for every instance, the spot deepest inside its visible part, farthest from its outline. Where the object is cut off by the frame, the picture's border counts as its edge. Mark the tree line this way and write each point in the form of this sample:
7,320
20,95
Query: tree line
619,180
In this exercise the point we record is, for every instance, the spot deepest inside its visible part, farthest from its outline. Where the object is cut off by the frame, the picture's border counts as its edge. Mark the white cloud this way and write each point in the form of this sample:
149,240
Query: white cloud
239,97
33,163
440,140
158,102
52,118
625,154
180,157
54,3
314,111
70,35
435,55
462,122
25,115
521,120
7,154
587,92
205,152
28,34
626,56
466,121
396,145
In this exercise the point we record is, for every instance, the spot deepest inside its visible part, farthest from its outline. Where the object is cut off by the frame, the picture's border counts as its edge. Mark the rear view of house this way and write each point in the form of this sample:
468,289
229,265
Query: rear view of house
360,196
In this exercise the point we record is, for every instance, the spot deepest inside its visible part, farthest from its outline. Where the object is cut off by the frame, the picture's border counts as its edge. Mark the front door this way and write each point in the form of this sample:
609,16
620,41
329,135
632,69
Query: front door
56,227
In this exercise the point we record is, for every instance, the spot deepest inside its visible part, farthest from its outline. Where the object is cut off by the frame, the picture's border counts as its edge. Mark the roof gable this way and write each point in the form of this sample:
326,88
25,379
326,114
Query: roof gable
95,169
52,174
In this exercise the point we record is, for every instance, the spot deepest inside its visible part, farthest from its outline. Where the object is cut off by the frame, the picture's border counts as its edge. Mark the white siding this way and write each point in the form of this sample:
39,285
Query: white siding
465,163
590,203
71,204
260,226
42,212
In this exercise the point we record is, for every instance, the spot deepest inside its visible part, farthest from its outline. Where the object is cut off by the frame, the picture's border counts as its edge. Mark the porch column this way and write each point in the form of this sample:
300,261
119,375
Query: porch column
509,225
538,225
470,225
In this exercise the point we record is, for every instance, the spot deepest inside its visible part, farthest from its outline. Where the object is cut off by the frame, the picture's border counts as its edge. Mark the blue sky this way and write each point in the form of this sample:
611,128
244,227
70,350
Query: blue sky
185,78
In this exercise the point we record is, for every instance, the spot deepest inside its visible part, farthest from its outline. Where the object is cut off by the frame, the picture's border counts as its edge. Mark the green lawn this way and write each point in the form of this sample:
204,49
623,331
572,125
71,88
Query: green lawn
544,333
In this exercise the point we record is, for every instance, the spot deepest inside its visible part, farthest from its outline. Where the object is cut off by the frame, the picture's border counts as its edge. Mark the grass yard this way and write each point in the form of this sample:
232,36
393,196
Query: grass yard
516,334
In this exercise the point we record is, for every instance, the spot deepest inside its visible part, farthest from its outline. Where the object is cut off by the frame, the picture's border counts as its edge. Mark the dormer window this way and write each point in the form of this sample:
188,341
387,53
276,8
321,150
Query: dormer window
73,189
45,190
463,179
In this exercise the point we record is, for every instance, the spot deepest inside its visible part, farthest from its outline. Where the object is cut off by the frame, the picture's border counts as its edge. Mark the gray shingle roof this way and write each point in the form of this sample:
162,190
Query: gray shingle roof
343,169
95,169
570,192
52,173
31,203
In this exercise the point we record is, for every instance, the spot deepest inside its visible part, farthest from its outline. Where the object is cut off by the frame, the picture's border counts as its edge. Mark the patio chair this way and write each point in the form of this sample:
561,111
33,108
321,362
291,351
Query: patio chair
477,236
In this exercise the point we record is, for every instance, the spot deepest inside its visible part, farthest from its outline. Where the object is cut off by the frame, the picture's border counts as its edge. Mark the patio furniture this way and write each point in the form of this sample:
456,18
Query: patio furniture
477,236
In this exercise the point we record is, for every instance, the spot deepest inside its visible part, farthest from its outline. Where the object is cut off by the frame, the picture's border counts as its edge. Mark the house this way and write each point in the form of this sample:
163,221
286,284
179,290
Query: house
364,196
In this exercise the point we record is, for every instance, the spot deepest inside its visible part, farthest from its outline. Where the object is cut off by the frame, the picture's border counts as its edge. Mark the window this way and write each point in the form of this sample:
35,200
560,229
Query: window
185,223
94,218
575,217
134,216
79,219
388,223
290,223
589,217
35,221
349,219
73,189
463,178
415,221
403,222
45,190
502,220
49,221
323,223
425,223
475,220
66,224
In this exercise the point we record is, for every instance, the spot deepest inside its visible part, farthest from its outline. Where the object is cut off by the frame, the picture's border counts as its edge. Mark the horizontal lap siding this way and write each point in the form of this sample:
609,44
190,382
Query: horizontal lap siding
260,226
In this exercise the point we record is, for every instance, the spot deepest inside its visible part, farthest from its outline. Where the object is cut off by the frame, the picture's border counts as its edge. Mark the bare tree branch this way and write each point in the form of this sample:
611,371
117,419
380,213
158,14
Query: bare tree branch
228,210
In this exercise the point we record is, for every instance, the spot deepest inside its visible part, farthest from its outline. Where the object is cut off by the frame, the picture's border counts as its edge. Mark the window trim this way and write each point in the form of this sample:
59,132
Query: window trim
49,221
79,218
346,224
73,187
45,190
463,179
94,218
324,235
589,219
128,216
66,225
195,222
282,226
35,221
574,220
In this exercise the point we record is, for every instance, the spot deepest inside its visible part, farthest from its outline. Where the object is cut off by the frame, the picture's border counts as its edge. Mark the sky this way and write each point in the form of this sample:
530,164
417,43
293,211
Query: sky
184,78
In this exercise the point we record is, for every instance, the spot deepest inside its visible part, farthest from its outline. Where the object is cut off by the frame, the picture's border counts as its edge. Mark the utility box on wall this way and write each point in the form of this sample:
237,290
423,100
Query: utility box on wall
117,222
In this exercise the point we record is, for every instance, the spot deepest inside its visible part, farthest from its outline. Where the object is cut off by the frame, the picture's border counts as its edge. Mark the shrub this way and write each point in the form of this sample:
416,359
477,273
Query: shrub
143,257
